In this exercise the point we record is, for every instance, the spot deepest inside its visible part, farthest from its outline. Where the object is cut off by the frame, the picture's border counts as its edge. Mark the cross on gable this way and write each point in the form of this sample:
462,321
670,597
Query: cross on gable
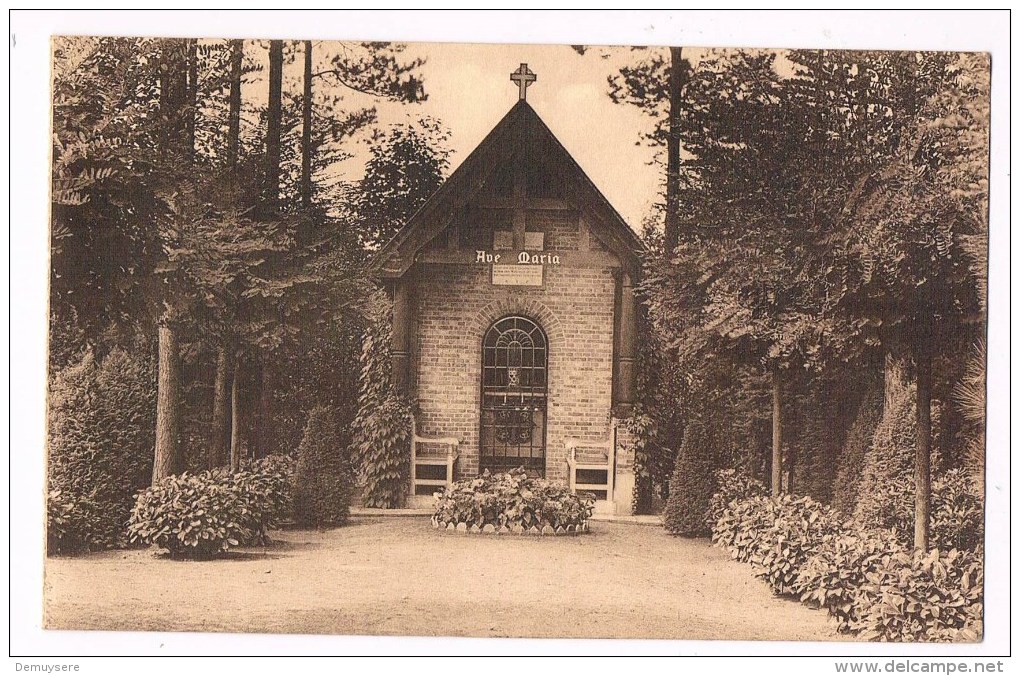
523,77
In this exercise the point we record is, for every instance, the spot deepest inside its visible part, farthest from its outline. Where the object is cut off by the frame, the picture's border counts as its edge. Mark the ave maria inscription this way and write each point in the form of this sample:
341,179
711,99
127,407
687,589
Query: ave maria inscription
524,270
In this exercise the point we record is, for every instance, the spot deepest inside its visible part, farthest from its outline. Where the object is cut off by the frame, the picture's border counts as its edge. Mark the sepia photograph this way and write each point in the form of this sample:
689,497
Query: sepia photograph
537,341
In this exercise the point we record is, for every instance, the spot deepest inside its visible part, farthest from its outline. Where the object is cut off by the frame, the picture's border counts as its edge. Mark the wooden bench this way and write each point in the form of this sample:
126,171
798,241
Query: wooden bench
598,456
422,460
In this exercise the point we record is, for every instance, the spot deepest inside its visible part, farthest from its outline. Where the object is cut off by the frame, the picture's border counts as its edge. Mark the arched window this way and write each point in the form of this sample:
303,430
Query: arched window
515,357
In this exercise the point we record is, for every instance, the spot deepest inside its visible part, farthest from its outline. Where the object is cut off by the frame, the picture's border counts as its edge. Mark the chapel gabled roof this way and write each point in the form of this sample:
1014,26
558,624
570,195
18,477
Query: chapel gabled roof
499,147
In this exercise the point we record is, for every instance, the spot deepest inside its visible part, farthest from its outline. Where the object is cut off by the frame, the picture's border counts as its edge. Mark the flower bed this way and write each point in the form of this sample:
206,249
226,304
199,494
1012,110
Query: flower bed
512,504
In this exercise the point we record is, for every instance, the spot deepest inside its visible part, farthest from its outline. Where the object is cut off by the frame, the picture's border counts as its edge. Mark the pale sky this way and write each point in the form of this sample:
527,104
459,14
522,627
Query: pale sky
469,90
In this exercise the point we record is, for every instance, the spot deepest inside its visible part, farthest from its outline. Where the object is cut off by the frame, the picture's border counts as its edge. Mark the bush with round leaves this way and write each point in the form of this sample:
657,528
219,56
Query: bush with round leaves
512,500
776,535
323,479
731,486
199,516
101,438
266,486
957,515
831,577
192,516
933,596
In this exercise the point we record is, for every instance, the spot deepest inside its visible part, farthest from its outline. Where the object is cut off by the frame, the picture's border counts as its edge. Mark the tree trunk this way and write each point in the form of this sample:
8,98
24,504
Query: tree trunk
219,449
273,117
167,458
234,102
173,97
676,77
306,131
235,420
922,458
777,434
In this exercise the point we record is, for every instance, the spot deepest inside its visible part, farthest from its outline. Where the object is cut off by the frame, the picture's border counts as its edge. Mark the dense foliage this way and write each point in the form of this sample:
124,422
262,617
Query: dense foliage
194,214
851,460
513,501
776,535
381,439
323,479
868,579
873,249
407,165
692,484
100,447
924,596
731,485
199,516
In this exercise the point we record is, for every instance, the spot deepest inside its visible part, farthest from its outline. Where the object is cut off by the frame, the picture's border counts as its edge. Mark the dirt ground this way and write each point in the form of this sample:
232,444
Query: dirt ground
398,576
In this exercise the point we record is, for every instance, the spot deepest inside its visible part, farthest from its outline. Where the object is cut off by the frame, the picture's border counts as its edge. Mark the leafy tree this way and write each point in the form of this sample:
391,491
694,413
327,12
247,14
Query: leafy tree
908,260
407,165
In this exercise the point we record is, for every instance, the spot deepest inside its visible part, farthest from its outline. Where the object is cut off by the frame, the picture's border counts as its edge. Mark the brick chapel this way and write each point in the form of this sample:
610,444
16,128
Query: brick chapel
515,323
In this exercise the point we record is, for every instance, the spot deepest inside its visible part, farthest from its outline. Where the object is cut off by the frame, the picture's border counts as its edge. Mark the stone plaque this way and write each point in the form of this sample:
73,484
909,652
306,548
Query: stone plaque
517,275
534,241
502,240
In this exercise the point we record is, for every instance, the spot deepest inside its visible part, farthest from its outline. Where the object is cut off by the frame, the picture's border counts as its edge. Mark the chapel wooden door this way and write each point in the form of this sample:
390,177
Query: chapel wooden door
515,359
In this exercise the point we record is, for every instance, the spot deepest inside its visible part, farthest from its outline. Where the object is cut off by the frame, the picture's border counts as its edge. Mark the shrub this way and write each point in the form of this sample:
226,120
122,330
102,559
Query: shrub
922,596
832,576
101,436
193,516
265,485
776,535
691,485
957,517
512,500
68,523
323,479
731,485
197,516
886,486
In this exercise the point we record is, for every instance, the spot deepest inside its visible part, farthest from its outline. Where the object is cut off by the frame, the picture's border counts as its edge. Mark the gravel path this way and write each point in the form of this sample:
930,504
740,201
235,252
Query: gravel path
397,576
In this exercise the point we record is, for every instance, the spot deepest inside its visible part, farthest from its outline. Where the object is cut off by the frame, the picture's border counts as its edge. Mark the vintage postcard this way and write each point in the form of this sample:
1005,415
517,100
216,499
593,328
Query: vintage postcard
533,341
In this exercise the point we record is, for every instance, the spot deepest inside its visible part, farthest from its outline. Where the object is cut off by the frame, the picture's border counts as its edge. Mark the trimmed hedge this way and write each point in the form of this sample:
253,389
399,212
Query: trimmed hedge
101,439
692,484
323,479
512,501
851,460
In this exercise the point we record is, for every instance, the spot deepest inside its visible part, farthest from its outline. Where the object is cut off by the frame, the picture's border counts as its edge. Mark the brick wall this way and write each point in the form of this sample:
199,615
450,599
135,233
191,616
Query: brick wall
456,304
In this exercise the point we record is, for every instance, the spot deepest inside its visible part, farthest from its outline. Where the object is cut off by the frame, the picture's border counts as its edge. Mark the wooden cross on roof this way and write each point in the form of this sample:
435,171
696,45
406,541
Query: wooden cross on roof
523,77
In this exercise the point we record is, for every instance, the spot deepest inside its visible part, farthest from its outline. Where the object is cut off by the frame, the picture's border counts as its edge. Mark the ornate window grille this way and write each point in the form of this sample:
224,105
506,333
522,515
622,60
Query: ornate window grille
515,358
